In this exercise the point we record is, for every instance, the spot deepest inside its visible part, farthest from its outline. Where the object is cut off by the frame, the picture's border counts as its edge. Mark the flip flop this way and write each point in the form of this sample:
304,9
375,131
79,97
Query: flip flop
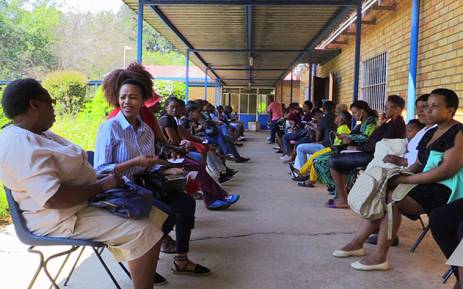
334,206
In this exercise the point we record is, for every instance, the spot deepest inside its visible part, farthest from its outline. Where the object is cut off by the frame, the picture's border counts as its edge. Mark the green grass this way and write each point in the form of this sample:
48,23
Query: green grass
80,130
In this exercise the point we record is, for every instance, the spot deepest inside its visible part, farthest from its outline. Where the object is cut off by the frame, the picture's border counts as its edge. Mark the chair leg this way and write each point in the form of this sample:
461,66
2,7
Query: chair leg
125,269
74,266
420,238
422,223
44,263
447,275
106,267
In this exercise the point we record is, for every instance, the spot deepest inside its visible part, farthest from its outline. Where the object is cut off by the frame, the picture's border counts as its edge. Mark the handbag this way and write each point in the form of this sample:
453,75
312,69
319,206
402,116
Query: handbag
130,201
160,186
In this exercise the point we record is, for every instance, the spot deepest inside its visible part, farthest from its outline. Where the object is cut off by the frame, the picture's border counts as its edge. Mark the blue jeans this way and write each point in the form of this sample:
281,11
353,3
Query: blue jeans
306,149
226,145
287,138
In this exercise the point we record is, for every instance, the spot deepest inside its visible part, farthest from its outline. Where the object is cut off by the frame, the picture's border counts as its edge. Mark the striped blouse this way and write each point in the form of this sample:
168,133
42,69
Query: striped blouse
117,142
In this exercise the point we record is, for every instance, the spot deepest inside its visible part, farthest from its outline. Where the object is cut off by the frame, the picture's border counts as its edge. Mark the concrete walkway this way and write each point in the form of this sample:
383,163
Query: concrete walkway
278,236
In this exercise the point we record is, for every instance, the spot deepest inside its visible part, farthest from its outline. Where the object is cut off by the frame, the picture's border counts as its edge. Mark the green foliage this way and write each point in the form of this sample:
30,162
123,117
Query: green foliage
167,88
26,37
68,88
97,106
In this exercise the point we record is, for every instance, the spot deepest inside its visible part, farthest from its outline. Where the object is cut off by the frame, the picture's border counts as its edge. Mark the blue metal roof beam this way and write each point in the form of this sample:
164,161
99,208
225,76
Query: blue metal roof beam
245,68
245,50
253,2
250,46
178,33
342,12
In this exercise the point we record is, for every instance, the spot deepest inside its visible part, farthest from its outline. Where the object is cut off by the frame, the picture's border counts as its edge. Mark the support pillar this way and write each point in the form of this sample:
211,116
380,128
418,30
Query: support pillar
358,38
411,94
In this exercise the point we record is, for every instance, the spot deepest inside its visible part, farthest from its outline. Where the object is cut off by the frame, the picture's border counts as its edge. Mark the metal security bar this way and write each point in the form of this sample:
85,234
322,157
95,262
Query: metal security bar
374,81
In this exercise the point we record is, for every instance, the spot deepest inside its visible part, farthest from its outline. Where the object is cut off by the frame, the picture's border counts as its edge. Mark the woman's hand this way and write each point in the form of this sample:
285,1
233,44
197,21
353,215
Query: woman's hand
396,160
400,179
147,160
110,182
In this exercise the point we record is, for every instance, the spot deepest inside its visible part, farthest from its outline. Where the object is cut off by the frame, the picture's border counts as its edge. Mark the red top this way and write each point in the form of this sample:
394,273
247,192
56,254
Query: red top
145,115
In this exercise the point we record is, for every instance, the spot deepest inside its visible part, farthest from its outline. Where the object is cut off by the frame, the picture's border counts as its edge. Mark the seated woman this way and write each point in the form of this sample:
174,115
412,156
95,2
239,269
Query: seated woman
216,198
308,174
52,181
428,195
446,222
187,130
362,112
125,146
342,164
324,128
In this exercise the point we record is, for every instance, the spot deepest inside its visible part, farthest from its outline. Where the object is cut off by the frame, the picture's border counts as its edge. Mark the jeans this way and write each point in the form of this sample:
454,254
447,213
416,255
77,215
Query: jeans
305,149
273,130
446,224
226,145
346,162
287,138
181,214
215,164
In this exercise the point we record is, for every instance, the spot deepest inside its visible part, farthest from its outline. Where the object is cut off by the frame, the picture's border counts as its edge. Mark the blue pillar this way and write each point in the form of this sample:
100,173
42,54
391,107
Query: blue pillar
411,95
187,75
205,84
140,32
314,70
358,37
309,84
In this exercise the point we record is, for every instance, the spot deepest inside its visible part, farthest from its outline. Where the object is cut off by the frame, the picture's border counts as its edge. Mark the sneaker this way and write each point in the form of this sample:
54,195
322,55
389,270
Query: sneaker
276,147
267,138
285,158
241,160
224,178
231,199
241,138
218,205
231,172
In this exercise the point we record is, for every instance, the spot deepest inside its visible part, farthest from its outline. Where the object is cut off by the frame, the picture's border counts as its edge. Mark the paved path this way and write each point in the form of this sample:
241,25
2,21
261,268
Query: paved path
278,236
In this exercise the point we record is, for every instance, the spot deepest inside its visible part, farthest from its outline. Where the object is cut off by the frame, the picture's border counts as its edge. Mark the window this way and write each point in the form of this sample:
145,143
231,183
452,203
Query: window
374,81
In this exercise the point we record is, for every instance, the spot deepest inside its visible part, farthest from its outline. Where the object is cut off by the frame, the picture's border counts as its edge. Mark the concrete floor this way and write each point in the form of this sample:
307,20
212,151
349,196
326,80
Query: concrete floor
278,236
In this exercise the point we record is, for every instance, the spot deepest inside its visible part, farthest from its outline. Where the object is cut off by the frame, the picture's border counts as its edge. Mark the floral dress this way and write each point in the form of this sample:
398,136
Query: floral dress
360,134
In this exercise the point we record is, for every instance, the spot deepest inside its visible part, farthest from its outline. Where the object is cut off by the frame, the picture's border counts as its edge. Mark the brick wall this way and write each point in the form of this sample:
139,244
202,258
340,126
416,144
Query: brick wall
298,95
440,55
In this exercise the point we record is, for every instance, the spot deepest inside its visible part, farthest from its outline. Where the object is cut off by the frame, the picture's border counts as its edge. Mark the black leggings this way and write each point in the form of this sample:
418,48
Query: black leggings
345,162
446,225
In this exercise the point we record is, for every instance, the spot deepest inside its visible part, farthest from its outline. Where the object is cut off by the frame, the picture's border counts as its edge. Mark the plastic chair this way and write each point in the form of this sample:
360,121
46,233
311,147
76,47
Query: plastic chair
26,237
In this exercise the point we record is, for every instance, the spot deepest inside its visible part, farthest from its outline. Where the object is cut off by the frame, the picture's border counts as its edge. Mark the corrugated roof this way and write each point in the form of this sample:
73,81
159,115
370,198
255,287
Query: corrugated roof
293,28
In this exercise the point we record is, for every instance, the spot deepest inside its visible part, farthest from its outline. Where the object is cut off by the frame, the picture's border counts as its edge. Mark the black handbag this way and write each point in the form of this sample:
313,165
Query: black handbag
161,186
130,201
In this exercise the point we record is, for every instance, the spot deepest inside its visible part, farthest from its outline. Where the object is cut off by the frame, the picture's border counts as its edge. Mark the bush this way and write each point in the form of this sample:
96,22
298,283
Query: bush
167,88
68,88
97,106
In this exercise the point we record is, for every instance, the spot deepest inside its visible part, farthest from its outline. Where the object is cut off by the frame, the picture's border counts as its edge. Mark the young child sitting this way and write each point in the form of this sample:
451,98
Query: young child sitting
342,120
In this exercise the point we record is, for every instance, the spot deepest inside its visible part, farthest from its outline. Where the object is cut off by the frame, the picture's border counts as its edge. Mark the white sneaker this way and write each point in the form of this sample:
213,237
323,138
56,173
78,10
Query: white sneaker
285,158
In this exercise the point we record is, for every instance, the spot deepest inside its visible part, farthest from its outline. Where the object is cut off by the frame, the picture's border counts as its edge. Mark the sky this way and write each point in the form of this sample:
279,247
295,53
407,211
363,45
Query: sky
90,5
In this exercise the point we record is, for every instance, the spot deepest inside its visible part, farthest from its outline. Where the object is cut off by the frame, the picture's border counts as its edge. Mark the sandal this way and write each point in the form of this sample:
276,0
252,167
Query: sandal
198,270
294,172
334,206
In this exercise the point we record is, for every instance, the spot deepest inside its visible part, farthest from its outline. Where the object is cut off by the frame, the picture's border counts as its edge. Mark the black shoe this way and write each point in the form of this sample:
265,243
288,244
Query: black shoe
373,240
224,178
241,160
279,152
300,178
159,280
231,172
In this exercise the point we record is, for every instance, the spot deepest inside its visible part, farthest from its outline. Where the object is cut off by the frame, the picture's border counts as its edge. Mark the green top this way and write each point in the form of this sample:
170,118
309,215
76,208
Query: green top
454,183
367,128
342,129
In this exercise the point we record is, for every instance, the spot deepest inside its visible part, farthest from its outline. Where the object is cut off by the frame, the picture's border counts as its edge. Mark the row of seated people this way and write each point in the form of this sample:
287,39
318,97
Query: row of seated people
52,180
337,153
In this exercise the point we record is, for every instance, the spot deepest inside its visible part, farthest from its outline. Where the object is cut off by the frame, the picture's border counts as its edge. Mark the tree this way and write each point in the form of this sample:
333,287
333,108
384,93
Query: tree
26,38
